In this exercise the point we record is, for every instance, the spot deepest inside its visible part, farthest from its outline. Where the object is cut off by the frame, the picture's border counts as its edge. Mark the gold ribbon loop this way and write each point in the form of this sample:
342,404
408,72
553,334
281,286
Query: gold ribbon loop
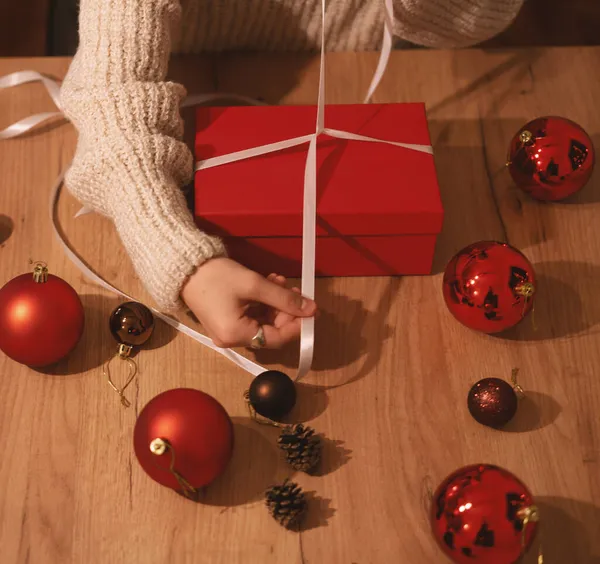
159,447
516,387
527,290
123,354
530,515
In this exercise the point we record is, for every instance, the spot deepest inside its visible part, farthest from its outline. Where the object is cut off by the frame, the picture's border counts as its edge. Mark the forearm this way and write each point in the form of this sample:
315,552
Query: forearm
130,162
453,23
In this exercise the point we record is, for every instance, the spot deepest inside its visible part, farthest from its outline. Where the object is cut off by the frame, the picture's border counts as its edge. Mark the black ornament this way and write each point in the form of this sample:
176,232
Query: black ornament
492,402
272,394
131,324
301,446
286,504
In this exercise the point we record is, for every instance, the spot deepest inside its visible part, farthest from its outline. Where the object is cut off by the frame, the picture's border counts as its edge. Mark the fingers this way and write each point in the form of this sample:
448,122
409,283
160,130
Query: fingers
280,318
277,337
232,302
246,329
270,291
279,328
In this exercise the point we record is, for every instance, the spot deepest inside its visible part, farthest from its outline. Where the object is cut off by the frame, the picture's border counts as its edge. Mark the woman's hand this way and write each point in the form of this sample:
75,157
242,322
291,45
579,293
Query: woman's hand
232,303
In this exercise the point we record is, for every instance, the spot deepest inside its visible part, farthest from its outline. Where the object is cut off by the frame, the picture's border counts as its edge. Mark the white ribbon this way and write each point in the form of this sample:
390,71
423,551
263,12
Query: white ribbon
236,358
307,337
23,77
310,184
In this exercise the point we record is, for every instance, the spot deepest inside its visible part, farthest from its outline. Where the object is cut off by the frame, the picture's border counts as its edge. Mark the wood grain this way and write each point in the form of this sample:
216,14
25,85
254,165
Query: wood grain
392,369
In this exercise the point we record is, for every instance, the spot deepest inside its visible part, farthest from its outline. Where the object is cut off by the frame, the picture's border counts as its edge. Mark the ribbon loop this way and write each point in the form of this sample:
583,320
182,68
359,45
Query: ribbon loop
23,77
26,124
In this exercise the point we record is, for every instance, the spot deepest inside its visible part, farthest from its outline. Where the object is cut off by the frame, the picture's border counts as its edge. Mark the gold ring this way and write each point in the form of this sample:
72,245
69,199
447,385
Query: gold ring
258,341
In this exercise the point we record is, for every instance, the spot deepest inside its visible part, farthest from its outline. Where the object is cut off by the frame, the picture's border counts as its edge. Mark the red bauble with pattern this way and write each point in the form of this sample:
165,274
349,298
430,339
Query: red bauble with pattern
489,286
485,514
551,158
198,431
41,318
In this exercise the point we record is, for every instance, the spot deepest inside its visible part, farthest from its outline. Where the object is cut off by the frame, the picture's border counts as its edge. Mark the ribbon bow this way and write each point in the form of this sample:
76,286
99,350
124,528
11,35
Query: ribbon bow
310,184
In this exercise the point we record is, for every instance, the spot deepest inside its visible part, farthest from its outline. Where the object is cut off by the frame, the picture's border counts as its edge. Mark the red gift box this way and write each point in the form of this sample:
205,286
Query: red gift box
378,206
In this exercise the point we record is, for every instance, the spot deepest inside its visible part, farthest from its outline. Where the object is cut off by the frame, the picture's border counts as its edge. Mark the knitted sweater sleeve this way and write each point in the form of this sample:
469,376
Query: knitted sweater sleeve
130,162
452,23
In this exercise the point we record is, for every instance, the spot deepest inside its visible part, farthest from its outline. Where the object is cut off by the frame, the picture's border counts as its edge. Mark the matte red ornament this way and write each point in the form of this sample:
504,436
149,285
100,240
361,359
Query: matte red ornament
41,317
489,286
197,434
483,513
551,158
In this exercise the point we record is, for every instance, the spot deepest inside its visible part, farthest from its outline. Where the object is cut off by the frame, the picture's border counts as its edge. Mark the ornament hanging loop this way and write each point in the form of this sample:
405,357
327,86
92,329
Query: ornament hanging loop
259,418
123,353
516,386
159,447
528,515
527,290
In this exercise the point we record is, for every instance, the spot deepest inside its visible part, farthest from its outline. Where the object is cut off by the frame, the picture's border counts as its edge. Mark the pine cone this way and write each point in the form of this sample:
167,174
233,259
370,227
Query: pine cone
287,504
301,446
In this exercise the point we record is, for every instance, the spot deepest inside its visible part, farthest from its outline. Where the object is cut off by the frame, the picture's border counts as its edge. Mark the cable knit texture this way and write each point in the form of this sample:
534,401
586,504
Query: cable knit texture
131,163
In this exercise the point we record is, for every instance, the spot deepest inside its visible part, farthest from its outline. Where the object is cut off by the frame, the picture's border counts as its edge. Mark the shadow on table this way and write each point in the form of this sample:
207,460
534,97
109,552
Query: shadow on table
475,186
519,64
344,333
6,228
97,345
536,410
565,303
319,512
311,401
256,464
480,200
333,456
568,532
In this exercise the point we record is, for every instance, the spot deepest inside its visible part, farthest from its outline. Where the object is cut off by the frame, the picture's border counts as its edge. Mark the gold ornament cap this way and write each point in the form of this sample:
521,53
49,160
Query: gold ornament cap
158,446
526,137
40,273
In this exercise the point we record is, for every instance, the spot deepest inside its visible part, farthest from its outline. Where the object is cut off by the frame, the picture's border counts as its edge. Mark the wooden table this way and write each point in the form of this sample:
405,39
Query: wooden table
392,367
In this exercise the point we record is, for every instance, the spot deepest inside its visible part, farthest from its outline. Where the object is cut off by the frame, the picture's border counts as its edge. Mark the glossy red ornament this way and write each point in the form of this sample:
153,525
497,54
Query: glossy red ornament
41,318
198,431
483,513
489,286
551,158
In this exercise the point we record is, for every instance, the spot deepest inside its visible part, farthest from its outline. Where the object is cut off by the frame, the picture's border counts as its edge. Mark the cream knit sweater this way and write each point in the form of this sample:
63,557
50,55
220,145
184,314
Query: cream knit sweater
130,162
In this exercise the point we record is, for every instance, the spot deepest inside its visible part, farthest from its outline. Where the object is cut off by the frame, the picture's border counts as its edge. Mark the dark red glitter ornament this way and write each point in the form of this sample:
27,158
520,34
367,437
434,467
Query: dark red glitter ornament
492,402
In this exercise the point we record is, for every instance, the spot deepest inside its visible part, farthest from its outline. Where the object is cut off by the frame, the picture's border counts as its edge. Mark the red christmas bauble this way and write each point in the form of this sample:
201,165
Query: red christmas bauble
551,158
483,513
489,286
197,430
42,318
